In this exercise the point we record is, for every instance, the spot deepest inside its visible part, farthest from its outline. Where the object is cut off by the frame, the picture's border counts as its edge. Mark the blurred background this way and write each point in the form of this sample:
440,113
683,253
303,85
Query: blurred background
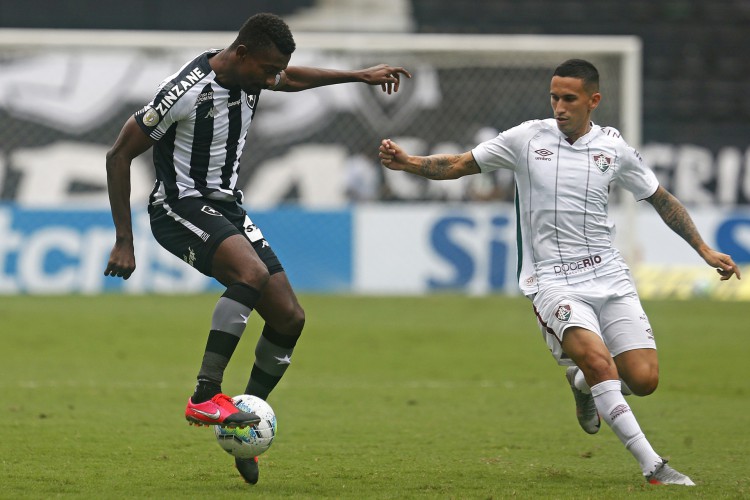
675,75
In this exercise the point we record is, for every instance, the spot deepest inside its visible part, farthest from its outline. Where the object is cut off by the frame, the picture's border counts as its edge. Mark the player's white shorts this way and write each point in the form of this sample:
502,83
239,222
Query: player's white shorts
608,306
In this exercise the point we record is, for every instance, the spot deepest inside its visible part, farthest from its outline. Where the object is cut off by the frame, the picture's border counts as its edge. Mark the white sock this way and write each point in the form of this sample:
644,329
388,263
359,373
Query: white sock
580,382
581,385
613,409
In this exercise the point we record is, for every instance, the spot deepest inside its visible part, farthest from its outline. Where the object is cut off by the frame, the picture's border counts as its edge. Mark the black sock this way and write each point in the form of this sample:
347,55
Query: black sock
227,324
204,391
272,357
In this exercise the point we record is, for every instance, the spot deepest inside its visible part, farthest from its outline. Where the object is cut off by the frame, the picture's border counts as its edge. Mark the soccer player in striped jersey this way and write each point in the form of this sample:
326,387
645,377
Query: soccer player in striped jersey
197,125
583,294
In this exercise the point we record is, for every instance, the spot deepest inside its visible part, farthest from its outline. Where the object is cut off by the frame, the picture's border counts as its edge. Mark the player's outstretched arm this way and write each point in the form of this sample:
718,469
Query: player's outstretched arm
437,167
674,214
296,78
131,142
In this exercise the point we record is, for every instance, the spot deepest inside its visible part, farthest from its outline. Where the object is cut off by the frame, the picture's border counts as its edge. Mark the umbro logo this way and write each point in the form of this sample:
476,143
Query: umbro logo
543,154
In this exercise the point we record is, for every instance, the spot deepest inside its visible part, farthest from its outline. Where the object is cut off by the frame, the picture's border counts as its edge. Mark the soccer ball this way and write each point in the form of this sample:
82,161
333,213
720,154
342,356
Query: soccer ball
250,441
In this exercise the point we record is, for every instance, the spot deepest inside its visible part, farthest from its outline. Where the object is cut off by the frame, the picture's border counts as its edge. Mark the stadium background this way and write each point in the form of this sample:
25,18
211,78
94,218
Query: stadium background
696,125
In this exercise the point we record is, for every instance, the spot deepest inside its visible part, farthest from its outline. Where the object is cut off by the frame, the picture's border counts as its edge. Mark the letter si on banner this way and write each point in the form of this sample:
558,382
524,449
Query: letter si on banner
419,248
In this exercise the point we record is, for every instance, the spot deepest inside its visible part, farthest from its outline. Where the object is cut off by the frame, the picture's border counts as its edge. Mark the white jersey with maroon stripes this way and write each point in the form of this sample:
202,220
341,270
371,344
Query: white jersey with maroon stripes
200,128
564,231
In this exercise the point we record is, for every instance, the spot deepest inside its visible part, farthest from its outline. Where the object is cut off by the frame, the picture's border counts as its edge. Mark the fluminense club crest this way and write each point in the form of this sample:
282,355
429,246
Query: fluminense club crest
602,162
563,312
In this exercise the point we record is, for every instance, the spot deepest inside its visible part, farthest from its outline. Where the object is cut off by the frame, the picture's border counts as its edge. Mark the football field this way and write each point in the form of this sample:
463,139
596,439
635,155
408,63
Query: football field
401,397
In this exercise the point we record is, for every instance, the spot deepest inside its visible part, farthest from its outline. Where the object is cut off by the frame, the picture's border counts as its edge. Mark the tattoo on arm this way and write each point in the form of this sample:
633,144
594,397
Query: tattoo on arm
447,167
674,214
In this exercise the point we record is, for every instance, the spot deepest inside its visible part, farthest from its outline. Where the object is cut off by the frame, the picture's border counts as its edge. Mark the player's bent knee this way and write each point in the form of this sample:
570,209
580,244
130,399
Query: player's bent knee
295,322
644,387
253,276
642,378
597,372
257,278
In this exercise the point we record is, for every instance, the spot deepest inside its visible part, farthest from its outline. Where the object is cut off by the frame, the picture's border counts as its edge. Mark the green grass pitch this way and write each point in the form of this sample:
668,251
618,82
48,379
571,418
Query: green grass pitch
400,397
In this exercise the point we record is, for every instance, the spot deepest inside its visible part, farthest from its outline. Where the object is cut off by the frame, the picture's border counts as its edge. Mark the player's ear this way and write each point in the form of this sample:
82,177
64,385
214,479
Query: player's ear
241,51
594,100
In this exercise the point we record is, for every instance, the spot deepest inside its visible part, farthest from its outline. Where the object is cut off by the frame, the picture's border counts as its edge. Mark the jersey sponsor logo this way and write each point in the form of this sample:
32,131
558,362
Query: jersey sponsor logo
564,312
178,90
234,103
544,154
205,96
150,117
578,266
210,211
602,162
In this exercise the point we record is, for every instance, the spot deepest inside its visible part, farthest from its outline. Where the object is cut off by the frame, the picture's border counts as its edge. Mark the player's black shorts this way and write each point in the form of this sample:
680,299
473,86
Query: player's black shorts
193,228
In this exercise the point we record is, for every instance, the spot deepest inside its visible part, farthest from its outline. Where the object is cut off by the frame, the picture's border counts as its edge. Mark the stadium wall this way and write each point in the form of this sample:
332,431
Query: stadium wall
368,249
339,221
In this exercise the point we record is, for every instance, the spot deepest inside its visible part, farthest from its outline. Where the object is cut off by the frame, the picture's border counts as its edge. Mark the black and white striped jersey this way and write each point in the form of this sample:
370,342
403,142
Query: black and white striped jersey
562,198
200,129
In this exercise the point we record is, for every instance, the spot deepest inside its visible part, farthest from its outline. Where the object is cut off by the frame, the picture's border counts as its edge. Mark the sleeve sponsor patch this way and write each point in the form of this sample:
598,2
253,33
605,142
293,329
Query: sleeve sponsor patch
150,117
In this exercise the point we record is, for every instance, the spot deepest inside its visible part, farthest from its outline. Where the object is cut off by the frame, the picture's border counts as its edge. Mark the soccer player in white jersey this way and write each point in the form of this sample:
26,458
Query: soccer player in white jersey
582,291
197,124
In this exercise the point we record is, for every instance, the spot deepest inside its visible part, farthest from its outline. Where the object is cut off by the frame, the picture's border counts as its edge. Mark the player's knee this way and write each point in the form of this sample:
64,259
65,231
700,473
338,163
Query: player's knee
287,320
258,278
253,276
644,386
295,322
597,368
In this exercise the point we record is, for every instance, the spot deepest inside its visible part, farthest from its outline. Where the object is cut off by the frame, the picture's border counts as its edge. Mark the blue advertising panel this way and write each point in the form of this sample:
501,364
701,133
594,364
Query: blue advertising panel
66,251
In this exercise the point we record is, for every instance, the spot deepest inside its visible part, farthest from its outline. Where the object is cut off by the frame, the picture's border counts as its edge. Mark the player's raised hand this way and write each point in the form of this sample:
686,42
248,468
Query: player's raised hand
388,77
391,155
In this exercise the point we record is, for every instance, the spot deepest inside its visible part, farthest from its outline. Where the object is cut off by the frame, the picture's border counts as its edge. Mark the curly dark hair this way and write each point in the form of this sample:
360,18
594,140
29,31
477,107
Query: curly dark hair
581,69
264,30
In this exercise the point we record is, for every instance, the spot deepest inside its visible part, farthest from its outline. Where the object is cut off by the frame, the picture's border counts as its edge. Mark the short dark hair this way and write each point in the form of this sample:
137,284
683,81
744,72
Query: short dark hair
581,69
265,30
